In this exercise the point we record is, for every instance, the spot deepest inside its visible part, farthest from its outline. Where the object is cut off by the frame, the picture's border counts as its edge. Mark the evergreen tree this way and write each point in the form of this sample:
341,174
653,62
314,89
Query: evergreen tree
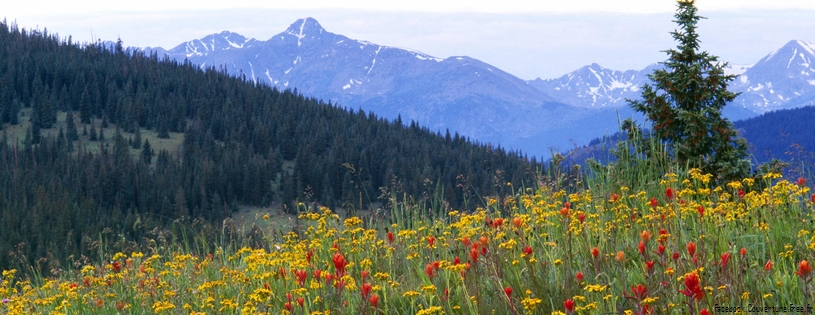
93,136
137,138
146,152
73,134
685,104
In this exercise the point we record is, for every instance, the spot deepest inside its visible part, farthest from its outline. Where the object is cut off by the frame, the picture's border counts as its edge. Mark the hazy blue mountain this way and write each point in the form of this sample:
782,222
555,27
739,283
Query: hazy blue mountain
459,93
777,80
473,98
784,78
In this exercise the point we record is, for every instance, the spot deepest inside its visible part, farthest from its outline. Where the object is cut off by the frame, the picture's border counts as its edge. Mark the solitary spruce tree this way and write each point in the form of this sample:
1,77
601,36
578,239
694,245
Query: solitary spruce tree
685,101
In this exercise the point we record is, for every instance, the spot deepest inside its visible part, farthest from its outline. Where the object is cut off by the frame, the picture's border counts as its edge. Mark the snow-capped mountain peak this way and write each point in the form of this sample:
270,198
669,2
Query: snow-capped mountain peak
303,28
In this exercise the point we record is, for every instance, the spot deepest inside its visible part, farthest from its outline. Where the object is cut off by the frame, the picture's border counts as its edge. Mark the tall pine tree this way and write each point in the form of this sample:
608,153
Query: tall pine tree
685,104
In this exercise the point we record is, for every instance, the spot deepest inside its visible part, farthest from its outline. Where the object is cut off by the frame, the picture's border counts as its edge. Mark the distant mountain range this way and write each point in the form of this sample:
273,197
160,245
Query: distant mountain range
473,98
783,79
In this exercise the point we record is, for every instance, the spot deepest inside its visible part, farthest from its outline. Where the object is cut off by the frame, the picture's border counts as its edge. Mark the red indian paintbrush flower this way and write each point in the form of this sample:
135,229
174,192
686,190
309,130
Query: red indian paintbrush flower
704,311
390,237
641,248
691,248
508,292
579,277
431,241
646,236
654,202
581,217
594,252
365,289
769,265
725,259
569,306
429,271
374,300
300,301
516,221
660,250
804,269
669,193
527,250
802,181
639,293
339,263
692,288
564,211
701,211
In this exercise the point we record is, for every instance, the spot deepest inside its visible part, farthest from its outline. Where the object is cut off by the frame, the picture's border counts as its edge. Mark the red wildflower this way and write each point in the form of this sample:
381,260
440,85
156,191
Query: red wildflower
802,181
804,269
301,276
595,252
569,306
639,292
704,311
339,263
390,237
675,255
431,241
317,274
508,291
654,202
641,248
498,222
374,300
288,306
465,241
567,205
99,302
579,277
692,288
649,265
701,211
474,255
364,274
646,236
365,289
516,221
484,240
691,248
309,254
660,250
741,193
769,265
669,193
743,252
300,301
614,197
581,217
527,250
725,259
288,297
116,266
429,271
564,211
456,261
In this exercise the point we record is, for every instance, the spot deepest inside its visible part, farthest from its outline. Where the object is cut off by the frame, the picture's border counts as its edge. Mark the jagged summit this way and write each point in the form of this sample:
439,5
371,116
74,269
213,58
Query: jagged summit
305,27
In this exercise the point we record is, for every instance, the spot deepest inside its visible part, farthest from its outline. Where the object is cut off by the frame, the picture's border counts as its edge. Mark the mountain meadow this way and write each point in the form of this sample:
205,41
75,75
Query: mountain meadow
134,183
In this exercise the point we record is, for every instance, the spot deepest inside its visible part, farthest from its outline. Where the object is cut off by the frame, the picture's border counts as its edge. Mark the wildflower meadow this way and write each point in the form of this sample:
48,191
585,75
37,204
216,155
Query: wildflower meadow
679,245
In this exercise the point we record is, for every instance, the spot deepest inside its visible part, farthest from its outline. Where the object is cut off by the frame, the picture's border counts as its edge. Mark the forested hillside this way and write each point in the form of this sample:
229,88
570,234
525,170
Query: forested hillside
64,192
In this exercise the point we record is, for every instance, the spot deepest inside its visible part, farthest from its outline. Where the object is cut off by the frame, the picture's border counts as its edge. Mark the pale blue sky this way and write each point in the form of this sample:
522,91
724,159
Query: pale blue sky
544,40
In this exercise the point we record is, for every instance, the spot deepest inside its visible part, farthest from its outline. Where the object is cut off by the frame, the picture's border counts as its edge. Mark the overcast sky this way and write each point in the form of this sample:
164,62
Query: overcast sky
547,39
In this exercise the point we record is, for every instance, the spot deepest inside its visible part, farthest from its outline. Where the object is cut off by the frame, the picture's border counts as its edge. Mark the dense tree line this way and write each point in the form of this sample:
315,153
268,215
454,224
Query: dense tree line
57,197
